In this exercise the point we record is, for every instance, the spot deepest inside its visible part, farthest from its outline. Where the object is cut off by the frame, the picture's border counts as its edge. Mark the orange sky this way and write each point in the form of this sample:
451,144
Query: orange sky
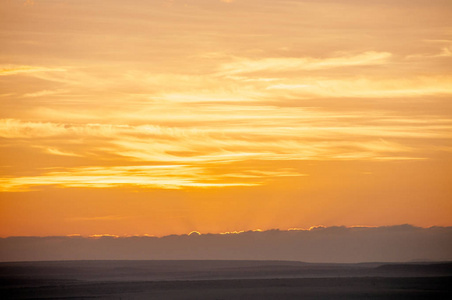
165,117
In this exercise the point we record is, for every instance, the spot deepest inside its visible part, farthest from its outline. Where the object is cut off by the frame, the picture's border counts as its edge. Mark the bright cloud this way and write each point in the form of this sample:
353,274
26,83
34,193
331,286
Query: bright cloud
304,63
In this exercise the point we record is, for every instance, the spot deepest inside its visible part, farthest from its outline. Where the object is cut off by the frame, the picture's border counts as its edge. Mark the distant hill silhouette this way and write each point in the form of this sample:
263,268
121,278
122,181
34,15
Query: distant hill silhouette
153,270
436,269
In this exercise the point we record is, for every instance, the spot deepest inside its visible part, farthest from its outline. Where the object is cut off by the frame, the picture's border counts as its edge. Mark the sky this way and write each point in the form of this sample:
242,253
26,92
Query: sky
166,117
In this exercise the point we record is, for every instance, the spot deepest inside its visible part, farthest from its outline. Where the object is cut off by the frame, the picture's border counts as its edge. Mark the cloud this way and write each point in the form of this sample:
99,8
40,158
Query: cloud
157,176
59,152
13,70
43,93
11,128
320,244
164,157
364,88
245,65
444,52
99,236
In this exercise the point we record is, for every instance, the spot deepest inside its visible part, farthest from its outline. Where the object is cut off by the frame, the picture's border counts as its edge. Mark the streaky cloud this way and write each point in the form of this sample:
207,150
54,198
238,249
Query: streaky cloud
244,65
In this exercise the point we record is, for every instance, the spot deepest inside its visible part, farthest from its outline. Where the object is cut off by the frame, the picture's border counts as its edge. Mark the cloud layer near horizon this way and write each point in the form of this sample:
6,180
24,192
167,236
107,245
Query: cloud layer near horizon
321,244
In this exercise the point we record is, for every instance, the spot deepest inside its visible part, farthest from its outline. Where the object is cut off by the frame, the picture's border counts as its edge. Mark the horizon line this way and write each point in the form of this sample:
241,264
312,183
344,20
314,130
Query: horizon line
227,233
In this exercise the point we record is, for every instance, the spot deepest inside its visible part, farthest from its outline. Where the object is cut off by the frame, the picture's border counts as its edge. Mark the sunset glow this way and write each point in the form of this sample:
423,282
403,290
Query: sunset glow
122,118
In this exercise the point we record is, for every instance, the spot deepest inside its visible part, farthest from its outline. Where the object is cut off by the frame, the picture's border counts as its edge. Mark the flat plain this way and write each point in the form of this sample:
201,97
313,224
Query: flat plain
223,280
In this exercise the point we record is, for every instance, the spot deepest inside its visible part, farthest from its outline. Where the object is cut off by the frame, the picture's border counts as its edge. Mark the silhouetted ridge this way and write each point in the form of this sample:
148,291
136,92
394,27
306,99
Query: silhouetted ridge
425,268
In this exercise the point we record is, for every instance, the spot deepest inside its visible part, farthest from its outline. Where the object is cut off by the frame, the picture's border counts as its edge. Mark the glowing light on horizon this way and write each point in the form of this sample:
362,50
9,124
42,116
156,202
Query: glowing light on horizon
98,236
195,233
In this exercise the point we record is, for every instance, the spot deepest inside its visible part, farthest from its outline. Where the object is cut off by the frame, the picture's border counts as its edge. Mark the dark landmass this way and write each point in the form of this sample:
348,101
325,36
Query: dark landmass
300,288
223,280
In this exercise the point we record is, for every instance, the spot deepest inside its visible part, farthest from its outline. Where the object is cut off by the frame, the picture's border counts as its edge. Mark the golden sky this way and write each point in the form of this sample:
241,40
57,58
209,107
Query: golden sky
168,116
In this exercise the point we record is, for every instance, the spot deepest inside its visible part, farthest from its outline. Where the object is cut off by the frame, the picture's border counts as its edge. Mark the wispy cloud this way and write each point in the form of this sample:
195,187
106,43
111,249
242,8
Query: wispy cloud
59,152
364,88
246,65
157,176
320,136
13,70
43,93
